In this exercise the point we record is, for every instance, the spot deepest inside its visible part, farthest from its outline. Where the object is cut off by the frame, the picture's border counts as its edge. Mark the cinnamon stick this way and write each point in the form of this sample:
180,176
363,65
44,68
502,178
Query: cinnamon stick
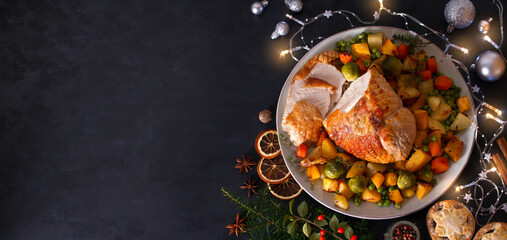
502,143
500,166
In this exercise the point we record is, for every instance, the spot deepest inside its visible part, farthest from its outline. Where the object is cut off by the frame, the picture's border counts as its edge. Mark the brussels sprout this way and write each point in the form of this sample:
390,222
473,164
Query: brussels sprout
351,71
406,180
392,66
358,183
334,169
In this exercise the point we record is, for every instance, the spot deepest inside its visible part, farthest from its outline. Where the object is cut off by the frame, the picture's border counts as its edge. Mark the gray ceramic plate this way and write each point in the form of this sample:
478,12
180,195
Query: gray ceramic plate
370,210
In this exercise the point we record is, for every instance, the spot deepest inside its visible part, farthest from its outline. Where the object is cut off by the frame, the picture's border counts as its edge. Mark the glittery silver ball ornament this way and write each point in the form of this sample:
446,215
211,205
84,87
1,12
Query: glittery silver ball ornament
490,66
294,5
258,7
281,29
459,14
484,26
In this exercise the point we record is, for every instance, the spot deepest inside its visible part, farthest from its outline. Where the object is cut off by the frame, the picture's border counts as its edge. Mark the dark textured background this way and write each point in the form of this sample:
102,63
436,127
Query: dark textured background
123,119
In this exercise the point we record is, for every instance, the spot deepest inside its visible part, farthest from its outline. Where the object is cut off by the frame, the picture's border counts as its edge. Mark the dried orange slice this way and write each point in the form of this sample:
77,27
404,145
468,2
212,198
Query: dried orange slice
273,170
286,190
266,144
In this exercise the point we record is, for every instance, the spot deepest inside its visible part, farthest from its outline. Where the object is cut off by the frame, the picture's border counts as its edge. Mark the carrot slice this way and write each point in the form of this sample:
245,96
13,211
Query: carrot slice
301,152
403,50
425,75
443,83
434,149
439,165
432,64
361,66
346,57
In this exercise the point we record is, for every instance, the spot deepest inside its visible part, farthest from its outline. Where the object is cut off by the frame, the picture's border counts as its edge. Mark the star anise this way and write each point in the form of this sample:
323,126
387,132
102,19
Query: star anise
238,226
244,164
251,185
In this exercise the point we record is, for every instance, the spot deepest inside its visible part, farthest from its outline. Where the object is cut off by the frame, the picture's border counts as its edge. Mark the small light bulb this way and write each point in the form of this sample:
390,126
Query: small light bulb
493,169
457,189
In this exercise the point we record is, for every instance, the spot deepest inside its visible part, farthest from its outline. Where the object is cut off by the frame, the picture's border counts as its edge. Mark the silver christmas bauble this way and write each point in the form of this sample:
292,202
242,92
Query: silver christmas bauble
258,7
459,14
294,5
484,26
490,66
281,29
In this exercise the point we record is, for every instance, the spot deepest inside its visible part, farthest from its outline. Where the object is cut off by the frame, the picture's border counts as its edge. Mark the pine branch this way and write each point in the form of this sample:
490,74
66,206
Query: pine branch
236,200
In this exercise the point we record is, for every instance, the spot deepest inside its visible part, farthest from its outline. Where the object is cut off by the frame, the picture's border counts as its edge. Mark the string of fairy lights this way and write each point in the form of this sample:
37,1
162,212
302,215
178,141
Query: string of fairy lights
483,188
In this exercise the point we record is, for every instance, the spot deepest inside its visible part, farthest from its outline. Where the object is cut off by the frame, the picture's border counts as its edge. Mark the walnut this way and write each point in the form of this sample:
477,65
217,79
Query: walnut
265,116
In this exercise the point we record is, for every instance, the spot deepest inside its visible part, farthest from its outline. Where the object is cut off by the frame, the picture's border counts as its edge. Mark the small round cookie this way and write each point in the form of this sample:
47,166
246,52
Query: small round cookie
450,219
491,231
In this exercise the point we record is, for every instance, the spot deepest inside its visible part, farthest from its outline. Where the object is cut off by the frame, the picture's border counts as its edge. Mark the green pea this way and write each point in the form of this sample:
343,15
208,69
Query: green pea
378,54
363,40
366,63
433,182
360,36
343,43
348,43
427,174
380,189
433,138
387,202
371,187
447,122
397,205
357,201
374,50
336,49
380,203
392,189
425,148
353,40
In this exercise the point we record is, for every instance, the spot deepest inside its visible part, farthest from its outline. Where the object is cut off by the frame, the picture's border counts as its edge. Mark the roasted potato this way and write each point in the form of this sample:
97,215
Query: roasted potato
406,93
435,125
341,202
426,87
463,103
418,160
372,168
371,195
330,185
377,179
421,120
358,168
460,122
442,113
454,148
395,196
423,188
433,102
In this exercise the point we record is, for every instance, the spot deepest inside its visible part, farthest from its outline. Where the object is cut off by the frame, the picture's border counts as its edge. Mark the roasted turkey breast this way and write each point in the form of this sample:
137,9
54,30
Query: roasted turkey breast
318,89
370,121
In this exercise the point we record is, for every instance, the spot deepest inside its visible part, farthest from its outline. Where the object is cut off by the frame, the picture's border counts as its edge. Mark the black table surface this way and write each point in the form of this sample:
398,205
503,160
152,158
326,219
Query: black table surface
123,119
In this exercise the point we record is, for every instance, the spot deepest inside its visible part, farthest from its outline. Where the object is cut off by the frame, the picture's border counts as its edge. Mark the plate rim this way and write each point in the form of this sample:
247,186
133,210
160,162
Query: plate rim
309,55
